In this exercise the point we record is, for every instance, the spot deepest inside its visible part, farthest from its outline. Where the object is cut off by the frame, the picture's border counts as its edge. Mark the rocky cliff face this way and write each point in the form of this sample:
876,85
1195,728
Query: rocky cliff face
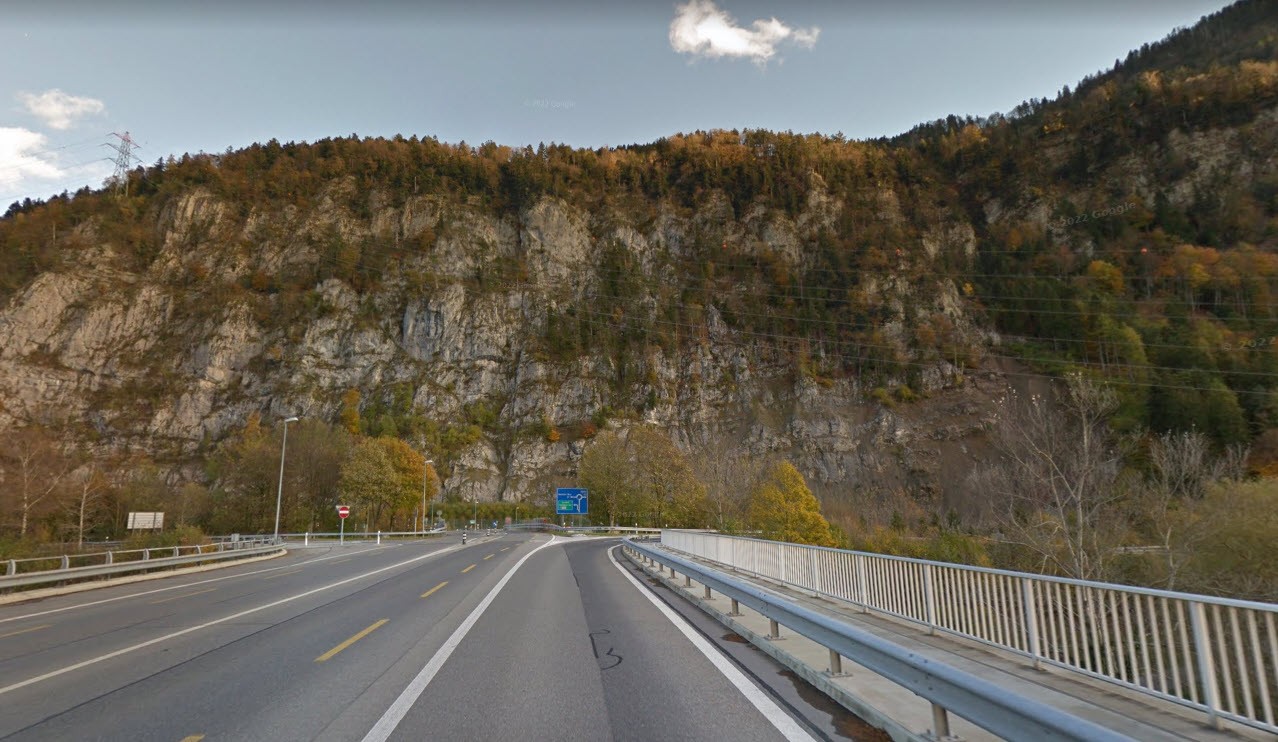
169,359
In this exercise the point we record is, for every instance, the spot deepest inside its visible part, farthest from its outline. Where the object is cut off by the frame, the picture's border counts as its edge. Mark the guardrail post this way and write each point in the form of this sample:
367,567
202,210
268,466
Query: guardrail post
110,557
66,562
707,592
774,629
1206,665
12,569
1031,621
736,608
687,580
177,551
307,539
379,538
836,664
929,599
940,722
146,554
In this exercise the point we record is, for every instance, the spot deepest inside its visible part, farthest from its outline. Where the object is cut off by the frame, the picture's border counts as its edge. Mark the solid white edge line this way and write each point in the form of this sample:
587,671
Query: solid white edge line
215,622
389,720
787,726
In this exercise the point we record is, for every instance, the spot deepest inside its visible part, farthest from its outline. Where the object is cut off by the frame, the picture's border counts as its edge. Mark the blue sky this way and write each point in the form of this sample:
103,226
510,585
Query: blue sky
183,76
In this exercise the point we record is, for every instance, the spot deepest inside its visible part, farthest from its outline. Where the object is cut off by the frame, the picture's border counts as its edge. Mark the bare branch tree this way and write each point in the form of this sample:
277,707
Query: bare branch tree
88,488
1178,474
1057,486
33,465
728,477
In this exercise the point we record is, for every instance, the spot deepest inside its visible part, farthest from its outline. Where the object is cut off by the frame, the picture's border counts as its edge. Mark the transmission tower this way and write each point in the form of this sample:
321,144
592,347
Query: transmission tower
123,161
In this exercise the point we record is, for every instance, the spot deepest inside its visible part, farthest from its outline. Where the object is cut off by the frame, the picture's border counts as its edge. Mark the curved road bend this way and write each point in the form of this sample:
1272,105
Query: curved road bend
506,637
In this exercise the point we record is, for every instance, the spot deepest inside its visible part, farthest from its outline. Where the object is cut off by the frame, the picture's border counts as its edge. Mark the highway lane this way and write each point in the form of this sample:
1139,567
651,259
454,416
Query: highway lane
574,652
568,649
63,630
130,617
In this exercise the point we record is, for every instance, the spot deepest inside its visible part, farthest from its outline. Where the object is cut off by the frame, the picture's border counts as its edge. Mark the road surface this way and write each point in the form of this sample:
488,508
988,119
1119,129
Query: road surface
515,636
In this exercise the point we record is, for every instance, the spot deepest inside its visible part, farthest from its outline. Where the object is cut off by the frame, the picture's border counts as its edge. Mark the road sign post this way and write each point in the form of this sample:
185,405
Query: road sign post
571,501
342,512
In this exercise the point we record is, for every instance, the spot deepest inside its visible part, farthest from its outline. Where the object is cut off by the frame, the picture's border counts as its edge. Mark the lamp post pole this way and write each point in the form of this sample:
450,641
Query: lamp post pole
279,494
425,463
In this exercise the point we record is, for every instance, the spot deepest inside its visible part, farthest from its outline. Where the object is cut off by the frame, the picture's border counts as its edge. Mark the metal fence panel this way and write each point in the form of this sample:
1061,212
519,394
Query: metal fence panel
1213,654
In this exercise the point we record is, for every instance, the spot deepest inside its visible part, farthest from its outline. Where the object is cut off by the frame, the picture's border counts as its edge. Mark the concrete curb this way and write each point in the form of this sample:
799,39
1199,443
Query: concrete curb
817,677
48,592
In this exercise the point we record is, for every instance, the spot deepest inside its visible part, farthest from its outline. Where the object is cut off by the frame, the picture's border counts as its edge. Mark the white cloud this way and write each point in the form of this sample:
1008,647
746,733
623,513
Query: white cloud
700,28
22,158
58,109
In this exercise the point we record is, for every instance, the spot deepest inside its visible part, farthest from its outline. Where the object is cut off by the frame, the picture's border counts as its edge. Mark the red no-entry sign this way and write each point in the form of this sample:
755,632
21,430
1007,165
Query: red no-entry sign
343,511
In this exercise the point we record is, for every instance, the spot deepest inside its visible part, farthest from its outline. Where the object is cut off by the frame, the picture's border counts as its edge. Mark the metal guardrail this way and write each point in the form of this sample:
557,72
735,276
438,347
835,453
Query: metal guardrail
130,560
360,535
1212,654
988,705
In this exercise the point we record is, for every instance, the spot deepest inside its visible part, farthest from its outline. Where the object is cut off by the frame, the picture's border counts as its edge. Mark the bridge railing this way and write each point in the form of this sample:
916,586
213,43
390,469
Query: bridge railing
1216,655
1005,712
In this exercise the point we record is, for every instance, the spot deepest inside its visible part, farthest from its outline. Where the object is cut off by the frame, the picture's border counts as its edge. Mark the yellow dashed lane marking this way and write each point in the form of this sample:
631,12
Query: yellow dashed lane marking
193,738
26,631
179,597
464,571
433,589
490,556
332,652
282,574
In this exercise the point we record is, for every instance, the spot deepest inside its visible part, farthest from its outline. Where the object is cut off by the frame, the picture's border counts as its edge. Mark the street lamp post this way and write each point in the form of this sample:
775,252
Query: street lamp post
279,494
425,464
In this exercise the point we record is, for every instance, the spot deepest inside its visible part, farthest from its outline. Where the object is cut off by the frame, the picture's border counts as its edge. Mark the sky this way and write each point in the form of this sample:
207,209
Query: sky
188,76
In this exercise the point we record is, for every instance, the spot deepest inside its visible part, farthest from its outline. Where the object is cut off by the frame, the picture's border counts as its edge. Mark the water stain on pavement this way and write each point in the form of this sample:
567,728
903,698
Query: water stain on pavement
736,638
848,725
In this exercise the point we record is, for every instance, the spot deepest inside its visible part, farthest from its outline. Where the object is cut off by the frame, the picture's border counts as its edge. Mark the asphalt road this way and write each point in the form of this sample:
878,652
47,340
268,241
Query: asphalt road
509,637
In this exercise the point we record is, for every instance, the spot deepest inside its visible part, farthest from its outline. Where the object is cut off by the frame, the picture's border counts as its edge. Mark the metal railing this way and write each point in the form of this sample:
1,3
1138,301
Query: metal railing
358,535
32,571
995,708
1217,655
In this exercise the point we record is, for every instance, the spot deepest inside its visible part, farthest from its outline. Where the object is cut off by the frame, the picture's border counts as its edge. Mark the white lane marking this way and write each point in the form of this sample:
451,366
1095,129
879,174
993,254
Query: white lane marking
184,585
787,726
385,726
215,622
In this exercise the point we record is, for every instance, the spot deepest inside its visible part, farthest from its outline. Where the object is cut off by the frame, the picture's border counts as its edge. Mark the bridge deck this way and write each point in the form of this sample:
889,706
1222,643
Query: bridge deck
1132,713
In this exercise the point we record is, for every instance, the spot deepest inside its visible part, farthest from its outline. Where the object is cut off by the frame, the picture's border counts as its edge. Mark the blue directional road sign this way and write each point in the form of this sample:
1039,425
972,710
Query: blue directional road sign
571,501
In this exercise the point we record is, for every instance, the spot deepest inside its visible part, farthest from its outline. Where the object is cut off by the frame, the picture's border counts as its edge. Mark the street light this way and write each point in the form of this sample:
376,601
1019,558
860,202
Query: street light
425,464
279,495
